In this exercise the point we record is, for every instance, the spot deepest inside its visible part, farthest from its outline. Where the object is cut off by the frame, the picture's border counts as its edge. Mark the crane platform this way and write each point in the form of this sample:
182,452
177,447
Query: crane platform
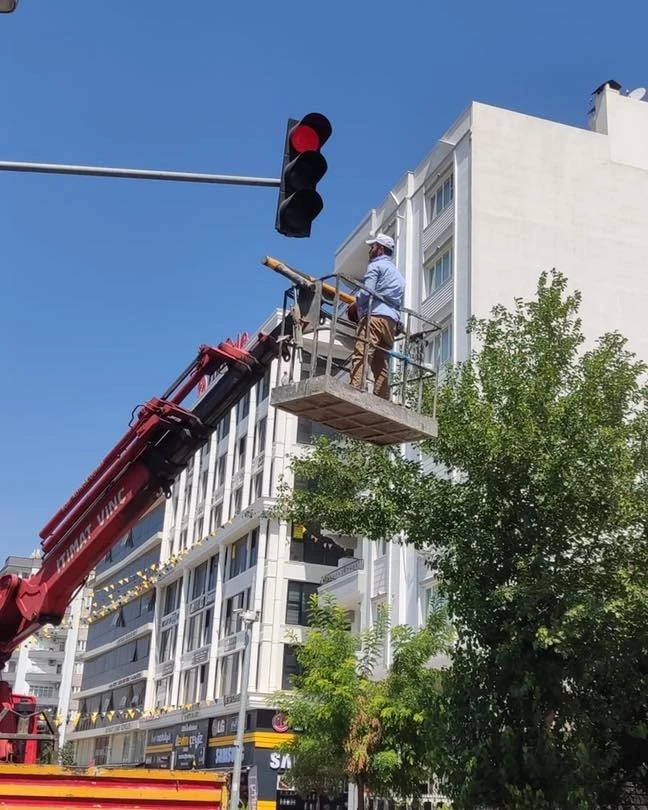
336,404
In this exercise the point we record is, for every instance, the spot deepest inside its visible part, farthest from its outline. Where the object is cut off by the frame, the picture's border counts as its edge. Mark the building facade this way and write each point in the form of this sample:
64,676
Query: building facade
115,662
224,552
500,198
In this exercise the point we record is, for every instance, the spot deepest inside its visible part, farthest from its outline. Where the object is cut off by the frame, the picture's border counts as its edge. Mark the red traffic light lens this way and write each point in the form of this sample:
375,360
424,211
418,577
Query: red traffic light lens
304,139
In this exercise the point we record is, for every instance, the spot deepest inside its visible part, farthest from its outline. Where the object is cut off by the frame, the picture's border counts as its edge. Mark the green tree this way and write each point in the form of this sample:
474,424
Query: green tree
351,726
410,711
538,533
66,754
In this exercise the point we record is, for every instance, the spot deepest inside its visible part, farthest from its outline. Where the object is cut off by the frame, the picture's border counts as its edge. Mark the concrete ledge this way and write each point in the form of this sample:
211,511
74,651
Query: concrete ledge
353,413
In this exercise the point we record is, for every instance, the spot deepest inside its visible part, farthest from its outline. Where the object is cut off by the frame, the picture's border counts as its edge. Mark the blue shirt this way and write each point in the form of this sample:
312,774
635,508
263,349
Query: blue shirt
383,278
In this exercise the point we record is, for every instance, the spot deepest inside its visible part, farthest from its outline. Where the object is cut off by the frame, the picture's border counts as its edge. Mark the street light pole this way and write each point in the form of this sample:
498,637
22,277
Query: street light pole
7,6
248,618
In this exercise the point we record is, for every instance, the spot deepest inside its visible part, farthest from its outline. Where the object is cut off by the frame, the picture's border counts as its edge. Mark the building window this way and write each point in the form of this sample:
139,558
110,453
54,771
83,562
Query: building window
297,604
438,272
198,580
243,408
439,350
194,685
291,666
163,692
240,455
166,648
212,573
257,485
220,474
171,597
44,691
202,493
260,436
230,680
254,546
223,427
102,745
183,540
440,198
238,558
431,601
236,501
187,496
232,609
309,547
307,430
263,388
216,519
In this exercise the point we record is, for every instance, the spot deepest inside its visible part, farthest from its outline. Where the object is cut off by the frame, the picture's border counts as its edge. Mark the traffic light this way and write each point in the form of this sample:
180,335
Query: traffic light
303,167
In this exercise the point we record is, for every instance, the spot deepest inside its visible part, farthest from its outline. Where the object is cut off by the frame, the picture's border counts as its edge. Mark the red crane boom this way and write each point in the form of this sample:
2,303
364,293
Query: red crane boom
156,448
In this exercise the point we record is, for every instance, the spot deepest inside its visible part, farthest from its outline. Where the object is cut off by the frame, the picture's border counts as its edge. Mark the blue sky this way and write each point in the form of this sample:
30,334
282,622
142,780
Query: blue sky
109,286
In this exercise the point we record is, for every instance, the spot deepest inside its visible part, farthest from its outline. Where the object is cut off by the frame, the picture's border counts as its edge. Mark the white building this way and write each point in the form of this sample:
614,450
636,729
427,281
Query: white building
501,197
224,552
45,664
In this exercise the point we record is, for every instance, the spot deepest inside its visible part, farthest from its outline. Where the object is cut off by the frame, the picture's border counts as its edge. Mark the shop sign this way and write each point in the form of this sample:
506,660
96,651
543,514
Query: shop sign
279,761
189,745
279,723
223,755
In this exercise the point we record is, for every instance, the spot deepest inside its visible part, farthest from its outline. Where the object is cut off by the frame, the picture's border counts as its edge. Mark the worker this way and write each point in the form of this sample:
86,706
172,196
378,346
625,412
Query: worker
376,337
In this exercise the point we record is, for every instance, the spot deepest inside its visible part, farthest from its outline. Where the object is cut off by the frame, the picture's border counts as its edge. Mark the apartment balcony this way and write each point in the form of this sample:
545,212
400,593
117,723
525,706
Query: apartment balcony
46,654
346,583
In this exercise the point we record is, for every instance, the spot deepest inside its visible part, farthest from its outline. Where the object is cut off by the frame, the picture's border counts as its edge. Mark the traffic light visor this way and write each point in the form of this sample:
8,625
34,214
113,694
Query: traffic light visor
298,211
320,128
306,170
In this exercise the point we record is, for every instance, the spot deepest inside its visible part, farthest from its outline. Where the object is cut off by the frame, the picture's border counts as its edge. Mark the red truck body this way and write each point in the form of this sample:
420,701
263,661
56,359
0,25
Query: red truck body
40,787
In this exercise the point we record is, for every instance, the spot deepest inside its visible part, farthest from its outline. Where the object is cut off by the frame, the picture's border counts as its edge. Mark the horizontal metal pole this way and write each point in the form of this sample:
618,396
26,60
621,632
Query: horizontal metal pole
45,737
138,174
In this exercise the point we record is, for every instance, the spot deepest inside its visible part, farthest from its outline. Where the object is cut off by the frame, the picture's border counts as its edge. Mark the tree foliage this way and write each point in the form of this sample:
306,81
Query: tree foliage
538,532
351,725
66,754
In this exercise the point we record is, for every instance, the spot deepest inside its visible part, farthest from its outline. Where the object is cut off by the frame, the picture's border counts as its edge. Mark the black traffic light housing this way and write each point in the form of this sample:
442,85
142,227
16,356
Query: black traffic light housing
303,167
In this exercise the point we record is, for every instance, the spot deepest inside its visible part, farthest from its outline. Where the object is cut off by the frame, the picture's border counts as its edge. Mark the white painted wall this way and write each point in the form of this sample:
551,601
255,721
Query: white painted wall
547,195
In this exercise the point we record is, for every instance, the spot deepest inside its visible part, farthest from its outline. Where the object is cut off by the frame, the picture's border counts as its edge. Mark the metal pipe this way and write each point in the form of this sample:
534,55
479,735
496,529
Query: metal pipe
138,174
299,278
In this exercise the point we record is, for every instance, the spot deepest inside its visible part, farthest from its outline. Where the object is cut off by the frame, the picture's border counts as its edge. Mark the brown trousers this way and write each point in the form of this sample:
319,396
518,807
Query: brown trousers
380,339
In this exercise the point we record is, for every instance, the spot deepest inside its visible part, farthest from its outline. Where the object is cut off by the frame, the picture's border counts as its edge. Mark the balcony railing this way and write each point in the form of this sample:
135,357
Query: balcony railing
356,564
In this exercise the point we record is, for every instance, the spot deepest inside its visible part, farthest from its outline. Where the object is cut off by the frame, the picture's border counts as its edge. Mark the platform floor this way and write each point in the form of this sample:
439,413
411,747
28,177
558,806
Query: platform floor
353,413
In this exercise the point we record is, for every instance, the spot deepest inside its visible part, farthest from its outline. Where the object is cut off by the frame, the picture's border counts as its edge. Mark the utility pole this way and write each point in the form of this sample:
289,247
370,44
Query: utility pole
248,617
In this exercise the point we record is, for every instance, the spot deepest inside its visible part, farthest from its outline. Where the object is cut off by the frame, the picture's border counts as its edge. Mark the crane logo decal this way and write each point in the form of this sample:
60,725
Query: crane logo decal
84,535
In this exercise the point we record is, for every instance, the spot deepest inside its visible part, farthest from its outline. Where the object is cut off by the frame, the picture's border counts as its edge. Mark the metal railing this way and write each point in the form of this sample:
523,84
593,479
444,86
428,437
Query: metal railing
354,565
319,337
